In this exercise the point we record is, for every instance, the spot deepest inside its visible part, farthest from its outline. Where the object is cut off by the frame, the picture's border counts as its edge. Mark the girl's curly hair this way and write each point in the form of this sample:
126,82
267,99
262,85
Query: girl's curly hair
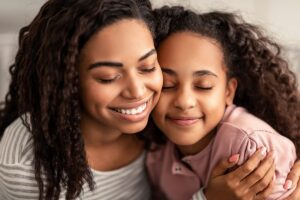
267,87
45,85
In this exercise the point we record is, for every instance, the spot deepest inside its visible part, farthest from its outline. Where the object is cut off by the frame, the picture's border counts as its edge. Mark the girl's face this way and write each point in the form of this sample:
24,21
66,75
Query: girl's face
195,89
120,78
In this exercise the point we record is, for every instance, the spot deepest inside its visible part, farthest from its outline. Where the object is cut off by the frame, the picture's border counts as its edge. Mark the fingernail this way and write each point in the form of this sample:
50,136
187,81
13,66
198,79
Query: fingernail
263,152
234,158
288,185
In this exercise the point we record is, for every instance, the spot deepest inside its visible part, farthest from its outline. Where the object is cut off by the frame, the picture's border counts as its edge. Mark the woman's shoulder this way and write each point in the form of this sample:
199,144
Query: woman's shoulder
16,143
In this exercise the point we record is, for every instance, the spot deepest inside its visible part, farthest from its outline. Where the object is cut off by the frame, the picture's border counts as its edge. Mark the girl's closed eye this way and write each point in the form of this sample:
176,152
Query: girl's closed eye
204,85
168,85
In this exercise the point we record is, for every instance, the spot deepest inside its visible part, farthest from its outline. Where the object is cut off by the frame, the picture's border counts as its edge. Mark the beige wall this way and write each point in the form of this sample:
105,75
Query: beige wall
279,18
8,45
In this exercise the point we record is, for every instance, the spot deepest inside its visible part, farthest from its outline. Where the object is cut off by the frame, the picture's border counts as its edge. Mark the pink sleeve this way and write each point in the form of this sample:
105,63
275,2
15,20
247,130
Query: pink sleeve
285,156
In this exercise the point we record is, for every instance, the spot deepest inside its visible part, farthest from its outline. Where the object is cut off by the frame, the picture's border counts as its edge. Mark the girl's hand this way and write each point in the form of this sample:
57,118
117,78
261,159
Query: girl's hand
292,180
251,181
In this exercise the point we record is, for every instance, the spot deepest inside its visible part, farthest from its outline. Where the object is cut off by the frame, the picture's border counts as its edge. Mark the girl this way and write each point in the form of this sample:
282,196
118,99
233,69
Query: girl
84,81
222,77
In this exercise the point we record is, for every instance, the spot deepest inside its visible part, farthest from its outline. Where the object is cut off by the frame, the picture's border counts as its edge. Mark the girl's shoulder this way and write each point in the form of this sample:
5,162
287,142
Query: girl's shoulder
239,118
16,143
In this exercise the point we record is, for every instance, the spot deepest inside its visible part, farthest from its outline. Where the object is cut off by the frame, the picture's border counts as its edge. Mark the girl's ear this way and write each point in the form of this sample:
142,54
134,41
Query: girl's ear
230,91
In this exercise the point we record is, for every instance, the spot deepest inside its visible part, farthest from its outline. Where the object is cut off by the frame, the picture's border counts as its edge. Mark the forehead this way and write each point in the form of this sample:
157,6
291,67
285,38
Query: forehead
190,51
128,38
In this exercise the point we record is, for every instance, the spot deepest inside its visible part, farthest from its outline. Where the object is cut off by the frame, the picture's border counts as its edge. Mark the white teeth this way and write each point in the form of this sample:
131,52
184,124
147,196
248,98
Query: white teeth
133,111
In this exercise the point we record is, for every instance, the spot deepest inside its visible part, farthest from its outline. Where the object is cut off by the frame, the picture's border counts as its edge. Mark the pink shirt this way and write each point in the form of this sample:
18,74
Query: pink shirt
239,132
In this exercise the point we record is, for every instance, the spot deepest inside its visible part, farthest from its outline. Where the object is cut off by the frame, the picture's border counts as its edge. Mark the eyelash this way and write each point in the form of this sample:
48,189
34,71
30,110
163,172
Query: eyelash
112,80
106,81
203,88
198,88
167,88
149,70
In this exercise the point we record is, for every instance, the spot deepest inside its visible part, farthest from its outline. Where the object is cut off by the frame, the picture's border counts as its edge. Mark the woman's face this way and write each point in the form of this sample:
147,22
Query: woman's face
120,78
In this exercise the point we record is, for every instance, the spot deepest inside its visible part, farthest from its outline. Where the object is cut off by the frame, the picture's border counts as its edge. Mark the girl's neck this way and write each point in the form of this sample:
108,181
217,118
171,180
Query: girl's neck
193,149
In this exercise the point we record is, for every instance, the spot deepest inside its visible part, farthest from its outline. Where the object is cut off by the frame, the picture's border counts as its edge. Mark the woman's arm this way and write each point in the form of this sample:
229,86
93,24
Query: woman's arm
292,180
251,181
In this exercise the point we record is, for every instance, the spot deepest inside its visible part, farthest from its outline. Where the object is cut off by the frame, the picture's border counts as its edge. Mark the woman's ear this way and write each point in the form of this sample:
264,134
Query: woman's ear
230,91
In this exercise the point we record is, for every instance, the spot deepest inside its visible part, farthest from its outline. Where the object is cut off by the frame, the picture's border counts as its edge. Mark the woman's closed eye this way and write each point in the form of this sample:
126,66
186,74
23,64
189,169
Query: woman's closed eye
107,80
148,69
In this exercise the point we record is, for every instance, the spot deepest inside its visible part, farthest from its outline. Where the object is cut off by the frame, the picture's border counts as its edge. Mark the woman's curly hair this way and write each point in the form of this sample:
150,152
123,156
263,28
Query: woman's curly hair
267,87
44,85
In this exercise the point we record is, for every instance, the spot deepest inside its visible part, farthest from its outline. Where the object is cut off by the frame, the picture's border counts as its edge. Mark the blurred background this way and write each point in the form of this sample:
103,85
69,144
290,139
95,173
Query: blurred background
280,19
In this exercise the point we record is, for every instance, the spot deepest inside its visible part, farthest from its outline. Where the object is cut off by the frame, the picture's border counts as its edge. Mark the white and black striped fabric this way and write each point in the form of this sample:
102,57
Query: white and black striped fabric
17,173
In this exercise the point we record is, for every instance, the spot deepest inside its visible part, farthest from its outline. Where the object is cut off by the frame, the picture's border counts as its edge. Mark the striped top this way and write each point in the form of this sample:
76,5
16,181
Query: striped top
17,179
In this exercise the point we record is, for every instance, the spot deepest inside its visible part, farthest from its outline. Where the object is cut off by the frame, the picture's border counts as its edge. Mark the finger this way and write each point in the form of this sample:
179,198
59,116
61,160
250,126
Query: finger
293,176
250,165
263,173
296,193
266,193
262,185
224,165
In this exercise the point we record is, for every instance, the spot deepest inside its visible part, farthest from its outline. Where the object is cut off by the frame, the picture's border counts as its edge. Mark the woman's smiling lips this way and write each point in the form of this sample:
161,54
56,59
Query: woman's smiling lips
134,112
183,121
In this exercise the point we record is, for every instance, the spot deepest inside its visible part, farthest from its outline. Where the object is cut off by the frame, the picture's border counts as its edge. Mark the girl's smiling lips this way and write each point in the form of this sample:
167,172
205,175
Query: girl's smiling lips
184,120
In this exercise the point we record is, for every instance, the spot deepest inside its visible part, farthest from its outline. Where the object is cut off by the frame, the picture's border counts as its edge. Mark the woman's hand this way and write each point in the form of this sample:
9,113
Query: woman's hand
251,181
292,180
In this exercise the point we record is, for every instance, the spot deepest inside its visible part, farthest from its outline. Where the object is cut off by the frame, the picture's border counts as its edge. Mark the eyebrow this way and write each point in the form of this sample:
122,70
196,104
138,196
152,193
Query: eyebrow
151,52
196,73
204,73
119,64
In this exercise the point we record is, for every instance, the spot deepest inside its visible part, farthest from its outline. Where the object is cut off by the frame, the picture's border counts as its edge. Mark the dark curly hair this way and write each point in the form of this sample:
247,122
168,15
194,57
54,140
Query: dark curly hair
45,85
267,87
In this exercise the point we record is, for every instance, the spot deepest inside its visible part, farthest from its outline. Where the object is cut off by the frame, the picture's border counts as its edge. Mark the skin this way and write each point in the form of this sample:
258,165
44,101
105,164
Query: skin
195,90
118,71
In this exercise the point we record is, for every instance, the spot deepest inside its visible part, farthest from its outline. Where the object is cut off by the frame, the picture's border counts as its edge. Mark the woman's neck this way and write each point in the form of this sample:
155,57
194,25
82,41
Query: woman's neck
96,134
109,149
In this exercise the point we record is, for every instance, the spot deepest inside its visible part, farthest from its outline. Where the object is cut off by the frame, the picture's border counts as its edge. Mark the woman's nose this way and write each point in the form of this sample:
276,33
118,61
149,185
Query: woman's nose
134,88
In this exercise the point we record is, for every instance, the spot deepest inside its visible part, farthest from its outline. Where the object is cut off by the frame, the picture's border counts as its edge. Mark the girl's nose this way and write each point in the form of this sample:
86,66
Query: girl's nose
185,99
